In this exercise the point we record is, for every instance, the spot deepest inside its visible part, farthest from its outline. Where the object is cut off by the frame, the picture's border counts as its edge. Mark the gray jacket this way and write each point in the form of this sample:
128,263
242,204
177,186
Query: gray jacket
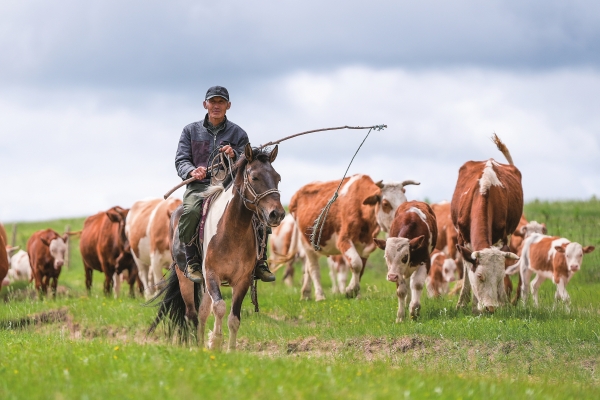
197,143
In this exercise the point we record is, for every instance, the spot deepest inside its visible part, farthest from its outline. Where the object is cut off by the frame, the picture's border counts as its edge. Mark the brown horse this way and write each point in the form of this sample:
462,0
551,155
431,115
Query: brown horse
230,248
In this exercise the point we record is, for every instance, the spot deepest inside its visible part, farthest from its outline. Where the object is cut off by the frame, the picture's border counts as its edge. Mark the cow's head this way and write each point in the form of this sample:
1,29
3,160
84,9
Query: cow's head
391,196
118,215
486,274
57,246
397,254
533,227
573,253
449,270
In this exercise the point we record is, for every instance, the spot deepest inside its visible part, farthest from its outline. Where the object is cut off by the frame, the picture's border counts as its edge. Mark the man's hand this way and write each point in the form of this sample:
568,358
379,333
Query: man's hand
199,173
228,150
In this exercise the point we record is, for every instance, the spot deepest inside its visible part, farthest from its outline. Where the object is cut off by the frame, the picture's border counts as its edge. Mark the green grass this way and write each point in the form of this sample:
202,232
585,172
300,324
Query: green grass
338,348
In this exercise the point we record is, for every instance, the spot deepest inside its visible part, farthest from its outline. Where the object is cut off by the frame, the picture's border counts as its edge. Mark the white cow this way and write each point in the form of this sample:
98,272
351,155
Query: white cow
20,268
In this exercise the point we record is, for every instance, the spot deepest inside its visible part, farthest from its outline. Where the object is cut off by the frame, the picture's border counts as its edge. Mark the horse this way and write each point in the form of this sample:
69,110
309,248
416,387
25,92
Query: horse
230,249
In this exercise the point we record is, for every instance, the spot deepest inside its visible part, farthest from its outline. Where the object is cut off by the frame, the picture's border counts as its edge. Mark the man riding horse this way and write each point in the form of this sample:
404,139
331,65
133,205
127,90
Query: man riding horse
199,144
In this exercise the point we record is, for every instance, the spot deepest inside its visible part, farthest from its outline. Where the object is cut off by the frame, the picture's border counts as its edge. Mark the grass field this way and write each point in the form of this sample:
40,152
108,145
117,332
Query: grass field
90,347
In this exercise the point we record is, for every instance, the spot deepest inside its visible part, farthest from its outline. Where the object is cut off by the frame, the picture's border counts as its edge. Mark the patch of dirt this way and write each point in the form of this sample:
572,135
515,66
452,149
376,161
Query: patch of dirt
47,317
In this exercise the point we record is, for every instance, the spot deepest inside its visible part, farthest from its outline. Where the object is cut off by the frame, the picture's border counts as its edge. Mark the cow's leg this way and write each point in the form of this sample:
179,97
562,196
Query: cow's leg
535,287
465,291
45,282
54,286
333,275
355,262
143,275
215,338
525,279
203,313
156,268
237,297
89,274
288,276
117,284
417,282
108,281
312,273
342,277
401,292
561,292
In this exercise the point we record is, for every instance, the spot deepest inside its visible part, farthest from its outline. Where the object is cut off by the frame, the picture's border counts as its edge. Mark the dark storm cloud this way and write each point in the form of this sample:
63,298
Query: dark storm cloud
183,45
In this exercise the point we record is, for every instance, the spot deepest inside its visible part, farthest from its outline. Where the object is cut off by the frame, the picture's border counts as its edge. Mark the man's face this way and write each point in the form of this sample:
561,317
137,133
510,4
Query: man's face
217,107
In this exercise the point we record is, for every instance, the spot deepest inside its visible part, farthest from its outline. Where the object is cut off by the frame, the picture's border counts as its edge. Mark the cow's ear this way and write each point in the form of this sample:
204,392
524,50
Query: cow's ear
417,242
544,229
65,237
521,232
380,243
372,200
273,154
560,249
47,237
588,249
248,152
466,253
114,216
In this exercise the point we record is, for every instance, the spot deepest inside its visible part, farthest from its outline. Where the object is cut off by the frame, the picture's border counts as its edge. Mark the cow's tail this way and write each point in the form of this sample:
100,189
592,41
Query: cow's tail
502,147
278,260
172,306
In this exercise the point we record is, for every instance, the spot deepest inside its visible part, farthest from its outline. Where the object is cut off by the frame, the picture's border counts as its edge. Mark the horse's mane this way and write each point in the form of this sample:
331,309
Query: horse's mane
260,154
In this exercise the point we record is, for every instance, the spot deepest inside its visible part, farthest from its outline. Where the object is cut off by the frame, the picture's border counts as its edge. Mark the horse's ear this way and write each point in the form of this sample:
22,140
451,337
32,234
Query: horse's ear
248,152
273,154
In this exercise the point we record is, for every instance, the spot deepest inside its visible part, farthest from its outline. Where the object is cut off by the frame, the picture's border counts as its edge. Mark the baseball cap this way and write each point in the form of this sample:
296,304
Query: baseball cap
217,91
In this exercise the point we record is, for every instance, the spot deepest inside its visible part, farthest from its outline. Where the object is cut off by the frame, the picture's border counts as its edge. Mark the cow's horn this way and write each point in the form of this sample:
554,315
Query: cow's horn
379,184
474,255
512,256
410,182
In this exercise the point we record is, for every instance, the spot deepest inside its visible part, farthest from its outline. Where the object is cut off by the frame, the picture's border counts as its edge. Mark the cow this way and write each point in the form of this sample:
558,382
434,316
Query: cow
413,236
4,261
46,250
447,237
280,243
104,247
20,268
486,207
549,257
357,215
147,228
443,271
524,229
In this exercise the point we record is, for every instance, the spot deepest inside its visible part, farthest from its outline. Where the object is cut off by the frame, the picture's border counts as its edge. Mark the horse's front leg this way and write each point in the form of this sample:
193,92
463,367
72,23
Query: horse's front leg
215,338
239,292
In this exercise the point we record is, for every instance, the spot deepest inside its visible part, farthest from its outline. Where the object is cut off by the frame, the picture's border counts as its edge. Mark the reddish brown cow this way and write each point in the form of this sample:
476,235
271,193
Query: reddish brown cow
105,248
550,257
46,250
413,237
486,207
349,228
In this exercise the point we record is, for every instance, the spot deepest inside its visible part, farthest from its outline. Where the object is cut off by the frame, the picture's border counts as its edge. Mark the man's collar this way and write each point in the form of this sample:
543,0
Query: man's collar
214,129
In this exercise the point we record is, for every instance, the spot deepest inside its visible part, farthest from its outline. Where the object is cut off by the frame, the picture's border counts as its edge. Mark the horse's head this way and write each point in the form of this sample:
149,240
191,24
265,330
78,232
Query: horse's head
259,187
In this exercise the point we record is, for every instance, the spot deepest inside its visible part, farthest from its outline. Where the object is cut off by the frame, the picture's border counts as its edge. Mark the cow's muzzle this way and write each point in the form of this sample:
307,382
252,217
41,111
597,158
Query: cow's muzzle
392,277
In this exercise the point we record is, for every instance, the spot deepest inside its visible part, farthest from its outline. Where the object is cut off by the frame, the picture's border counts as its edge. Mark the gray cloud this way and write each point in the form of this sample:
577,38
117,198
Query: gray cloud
186,45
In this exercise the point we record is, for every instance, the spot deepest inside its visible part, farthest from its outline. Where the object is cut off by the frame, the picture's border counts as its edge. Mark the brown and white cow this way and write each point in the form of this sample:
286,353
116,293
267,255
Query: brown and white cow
20,268
358,214
524,229
549,257
284,238
443,271
413,236
147,228
46,250
486,207
104,247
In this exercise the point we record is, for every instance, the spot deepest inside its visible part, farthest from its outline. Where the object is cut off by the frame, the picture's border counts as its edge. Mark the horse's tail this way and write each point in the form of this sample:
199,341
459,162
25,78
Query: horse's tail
172,305
502,147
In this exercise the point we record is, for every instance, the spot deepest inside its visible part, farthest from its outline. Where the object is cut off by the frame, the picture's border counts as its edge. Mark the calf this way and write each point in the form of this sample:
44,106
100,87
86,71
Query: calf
486,207
46,250
413,236
549,257
20,268
442,272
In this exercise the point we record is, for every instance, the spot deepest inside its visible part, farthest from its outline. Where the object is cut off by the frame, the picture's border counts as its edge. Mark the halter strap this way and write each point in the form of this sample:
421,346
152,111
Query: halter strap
257,197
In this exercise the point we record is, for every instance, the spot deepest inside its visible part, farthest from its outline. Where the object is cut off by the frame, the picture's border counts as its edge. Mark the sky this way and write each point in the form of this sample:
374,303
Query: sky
94,95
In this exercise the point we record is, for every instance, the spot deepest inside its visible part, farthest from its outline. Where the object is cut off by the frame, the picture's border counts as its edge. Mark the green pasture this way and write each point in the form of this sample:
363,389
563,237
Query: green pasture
88,347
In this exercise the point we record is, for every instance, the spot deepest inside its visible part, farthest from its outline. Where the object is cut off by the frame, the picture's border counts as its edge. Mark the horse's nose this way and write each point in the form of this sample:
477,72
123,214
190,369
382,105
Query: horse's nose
276,216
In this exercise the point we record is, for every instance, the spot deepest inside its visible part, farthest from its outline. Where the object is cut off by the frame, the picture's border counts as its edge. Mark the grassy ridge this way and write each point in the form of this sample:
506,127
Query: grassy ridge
332,349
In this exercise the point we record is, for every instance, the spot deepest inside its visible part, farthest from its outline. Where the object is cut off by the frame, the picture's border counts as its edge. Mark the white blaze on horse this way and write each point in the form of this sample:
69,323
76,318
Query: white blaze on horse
230,248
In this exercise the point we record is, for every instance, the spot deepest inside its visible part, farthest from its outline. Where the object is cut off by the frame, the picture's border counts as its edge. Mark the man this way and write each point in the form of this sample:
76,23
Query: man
200,141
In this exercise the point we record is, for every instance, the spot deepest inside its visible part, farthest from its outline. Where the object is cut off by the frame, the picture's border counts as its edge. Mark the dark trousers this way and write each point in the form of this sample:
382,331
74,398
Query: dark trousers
192,211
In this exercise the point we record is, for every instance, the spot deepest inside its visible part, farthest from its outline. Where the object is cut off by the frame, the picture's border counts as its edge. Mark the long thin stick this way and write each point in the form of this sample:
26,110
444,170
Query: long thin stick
192,179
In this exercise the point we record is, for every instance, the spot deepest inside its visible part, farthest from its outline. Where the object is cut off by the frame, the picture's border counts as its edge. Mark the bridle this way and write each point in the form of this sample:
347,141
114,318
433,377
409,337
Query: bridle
257,198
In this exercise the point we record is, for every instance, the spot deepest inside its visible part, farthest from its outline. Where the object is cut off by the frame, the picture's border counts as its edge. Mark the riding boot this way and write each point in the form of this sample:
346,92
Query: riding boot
261,270
193,263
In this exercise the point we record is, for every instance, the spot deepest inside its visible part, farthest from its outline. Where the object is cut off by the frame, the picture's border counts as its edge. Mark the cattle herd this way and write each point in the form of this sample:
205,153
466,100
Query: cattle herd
477,239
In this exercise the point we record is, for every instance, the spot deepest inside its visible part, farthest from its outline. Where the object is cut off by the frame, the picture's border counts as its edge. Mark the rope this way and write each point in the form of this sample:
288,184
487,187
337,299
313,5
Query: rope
320,221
